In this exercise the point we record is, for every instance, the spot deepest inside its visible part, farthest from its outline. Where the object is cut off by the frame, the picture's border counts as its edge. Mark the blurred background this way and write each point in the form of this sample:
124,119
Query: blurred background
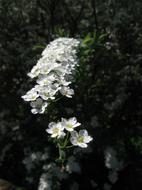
107,101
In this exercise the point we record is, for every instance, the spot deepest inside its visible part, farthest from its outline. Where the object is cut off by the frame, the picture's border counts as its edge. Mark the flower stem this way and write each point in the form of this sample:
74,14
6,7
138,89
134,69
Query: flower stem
69,146
61,153
66,140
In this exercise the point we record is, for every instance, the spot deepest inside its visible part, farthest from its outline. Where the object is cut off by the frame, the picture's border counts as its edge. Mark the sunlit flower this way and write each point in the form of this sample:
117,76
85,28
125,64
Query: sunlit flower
44,80
80,139
34,72
53,71
38,106
70,124
46,65
47,93
66,91
30,95
56,130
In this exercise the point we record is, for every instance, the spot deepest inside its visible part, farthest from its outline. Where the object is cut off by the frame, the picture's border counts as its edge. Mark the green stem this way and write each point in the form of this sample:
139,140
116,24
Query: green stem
60,153
66,140
56,99
69,146
63,146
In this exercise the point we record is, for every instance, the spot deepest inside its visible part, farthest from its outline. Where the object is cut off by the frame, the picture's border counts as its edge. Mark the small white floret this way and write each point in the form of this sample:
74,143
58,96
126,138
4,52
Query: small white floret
66,91
56,130
70,124
31,95
38,106
80,139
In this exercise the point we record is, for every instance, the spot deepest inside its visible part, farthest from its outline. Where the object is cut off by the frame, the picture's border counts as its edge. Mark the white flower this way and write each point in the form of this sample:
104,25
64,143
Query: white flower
70,124
38,106
66,91
56,130
53,72
56,87
80,139
63,82
47,93
34,72
31,95
62,70
46,66
44,80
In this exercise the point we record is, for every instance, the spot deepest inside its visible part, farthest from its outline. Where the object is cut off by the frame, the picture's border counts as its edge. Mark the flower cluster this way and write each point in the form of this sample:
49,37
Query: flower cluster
53,73
65,130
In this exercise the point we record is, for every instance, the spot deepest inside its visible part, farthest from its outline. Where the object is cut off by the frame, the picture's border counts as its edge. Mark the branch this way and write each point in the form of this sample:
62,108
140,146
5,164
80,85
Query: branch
93,2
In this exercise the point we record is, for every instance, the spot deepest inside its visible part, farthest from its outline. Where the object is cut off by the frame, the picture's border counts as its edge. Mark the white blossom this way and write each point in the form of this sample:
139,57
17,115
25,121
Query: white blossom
38,106
47,92
53,71
70,124
56,130
44,80
46,66
80,139
31,95
34,72
67,91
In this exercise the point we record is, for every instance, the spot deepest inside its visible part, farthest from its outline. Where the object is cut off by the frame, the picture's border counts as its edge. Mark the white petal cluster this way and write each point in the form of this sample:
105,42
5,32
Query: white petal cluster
80,139
53,73
58,130
70,124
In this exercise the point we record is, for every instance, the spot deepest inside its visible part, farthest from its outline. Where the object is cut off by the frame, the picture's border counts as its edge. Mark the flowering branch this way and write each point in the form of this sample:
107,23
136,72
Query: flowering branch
53,73
65,131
